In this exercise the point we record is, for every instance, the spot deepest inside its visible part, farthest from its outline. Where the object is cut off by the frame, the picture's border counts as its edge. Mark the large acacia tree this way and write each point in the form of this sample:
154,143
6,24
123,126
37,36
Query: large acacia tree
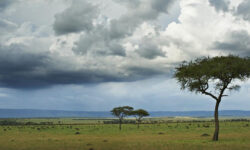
213,77
139,114
121,113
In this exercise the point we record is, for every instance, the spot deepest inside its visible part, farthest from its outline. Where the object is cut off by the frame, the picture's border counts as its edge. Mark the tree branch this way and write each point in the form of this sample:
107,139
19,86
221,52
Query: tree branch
224,88
209,94
204,90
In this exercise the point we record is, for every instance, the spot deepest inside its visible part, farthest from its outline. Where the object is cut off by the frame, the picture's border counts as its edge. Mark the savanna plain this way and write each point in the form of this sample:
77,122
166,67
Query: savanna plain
99,134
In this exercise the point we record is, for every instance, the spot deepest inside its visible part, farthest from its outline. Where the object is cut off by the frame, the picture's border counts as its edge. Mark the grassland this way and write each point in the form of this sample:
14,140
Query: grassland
92,134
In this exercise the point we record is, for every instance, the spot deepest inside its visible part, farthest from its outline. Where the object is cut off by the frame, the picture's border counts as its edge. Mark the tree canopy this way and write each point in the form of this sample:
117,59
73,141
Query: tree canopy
121,113
219,72
139,114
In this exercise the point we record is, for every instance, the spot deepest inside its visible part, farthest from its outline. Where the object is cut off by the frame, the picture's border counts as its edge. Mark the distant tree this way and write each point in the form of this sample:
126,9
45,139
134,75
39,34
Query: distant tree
121,113
139,114
212,77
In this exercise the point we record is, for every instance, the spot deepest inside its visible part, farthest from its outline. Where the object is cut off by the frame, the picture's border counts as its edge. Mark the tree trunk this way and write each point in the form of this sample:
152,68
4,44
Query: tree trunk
139,121
138,124
120,124
216,121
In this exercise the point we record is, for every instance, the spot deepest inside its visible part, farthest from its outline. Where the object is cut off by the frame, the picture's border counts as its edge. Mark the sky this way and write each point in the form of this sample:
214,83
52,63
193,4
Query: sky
93,55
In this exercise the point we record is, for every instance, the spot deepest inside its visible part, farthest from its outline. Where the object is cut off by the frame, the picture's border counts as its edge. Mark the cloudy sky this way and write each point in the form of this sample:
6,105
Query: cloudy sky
97,54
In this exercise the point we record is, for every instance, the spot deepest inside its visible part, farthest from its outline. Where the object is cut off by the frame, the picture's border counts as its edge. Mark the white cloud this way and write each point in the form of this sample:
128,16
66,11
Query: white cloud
199,27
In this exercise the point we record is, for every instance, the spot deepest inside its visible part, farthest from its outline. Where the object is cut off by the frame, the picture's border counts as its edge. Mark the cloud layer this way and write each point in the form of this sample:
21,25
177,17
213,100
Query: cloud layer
83,42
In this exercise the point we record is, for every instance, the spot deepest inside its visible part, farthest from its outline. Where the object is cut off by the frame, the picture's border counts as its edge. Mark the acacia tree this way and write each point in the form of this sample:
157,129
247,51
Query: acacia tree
139,114
121,113
213,77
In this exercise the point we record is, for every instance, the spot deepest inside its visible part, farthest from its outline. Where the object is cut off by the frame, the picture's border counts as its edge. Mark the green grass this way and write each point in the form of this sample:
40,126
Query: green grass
163,136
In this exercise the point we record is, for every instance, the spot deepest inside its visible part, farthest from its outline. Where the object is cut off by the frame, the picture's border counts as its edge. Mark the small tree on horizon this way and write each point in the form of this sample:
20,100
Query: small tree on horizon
139,114
121,113
212,77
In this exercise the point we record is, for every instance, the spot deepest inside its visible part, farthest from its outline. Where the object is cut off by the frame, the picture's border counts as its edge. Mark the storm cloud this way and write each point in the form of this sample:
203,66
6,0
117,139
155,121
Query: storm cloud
78,17
23,69
237,43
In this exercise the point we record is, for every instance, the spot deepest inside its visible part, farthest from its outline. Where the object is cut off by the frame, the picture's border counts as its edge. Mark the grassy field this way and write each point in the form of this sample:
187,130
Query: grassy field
91,134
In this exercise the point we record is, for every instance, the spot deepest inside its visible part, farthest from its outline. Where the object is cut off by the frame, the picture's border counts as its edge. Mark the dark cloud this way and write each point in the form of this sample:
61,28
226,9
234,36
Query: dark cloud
20,69
142,72
23,69
5,3
99,42
17,67
78,17
237,42
243,10
149,49
220,5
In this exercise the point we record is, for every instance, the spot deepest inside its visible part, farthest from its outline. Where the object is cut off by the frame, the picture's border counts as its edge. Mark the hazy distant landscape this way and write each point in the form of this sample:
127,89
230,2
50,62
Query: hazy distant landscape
32,113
